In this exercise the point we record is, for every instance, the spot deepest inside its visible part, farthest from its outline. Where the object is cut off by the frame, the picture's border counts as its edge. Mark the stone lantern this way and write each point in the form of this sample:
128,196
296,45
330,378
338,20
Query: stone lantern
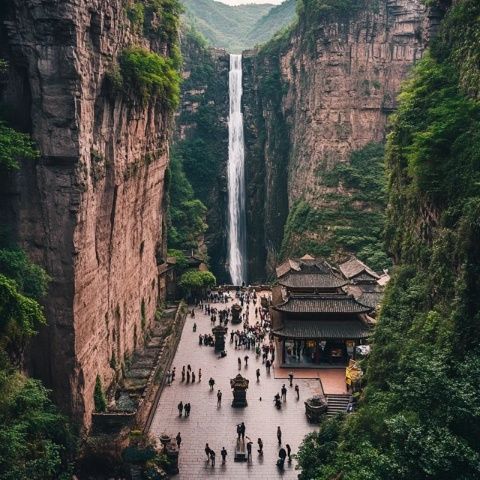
219,332
239,385
236,311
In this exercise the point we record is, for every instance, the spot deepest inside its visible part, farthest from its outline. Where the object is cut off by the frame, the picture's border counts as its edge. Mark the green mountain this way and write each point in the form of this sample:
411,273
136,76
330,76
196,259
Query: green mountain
240,27
275,20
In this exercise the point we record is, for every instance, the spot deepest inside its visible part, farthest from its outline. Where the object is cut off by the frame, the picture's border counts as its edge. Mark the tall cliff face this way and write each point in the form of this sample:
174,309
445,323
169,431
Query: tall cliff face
91,209
315,95
201,139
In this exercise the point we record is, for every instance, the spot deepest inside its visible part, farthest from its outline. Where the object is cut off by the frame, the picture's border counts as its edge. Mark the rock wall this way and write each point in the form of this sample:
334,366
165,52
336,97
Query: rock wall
328,87
91,209
201,139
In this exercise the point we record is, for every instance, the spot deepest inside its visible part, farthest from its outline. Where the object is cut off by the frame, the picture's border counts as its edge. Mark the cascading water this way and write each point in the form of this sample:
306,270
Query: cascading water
236,177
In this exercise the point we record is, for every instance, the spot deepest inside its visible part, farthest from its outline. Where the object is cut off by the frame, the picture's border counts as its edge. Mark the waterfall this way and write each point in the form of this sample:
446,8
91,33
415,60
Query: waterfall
236,177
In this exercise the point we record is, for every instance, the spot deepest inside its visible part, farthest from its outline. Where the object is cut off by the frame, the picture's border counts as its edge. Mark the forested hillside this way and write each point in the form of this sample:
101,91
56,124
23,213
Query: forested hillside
240,27
419,416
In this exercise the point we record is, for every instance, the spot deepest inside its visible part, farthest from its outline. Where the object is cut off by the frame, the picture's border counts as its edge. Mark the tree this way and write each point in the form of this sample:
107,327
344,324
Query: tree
99,396
195,280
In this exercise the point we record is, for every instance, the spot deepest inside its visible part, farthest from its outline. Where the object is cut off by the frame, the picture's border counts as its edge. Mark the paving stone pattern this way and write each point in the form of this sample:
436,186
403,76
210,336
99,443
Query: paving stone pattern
217,425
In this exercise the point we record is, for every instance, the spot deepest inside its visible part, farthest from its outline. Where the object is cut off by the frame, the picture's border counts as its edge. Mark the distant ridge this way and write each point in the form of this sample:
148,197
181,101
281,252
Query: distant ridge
240,27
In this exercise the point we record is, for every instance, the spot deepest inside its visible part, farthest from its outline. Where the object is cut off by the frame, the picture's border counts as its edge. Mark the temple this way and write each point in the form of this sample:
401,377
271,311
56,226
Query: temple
318,320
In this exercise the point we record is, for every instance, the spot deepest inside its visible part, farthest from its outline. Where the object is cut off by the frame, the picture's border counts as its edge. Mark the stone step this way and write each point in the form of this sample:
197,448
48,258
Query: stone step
337,404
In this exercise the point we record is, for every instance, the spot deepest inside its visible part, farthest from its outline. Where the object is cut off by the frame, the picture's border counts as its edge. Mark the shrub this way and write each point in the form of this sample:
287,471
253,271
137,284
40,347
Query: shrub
197,280
13,146
136,15
99,399
147,75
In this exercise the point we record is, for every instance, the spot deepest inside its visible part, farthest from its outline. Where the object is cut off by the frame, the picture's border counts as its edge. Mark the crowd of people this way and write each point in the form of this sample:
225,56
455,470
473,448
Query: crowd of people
249,336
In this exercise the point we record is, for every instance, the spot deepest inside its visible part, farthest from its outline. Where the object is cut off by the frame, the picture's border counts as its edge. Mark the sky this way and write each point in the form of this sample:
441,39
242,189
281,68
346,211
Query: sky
241,2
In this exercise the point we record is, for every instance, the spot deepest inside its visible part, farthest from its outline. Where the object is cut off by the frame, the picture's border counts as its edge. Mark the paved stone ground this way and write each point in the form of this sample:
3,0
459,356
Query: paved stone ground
217,426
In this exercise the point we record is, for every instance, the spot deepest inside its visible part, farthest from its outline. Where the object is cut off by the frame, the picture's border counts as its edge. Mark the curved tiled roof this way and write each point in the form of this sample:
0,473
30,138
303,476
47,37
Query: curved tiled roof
311,280
354,267
322,303
320,329
370,299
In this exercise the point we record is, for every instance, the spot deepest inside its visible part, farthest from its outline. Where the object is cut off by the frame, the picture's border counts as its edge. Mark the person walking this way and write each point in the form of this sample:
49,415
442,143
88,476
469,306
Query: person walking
188,376
246,360
223,453
258,374
207,451
289,452
260,446
290,377
279,435
267,365
239,363
284,393
183,373
180,408
178,438
249,450
242,431
297,391
199,374
282,454
187,409
219,398
211,382
212,457
173,373
193,377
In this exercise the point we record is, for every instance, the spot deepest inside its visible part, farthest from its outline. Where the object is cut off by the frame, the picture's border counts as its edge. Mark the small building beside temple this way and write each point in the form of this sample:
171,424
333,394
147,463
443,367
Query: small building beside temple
315,320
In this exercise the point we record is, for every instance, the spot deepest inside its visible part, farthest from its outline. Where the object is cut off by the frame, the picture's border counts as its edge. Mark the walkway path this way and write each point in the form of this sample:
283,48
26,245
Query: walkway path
217,426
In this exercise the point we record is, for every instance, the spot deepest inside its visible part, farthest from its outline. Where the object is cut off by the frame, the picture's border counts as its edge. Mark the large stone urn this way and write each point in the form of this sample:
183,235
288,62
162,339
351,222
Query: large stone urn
219,332
316,408
239,385
236,311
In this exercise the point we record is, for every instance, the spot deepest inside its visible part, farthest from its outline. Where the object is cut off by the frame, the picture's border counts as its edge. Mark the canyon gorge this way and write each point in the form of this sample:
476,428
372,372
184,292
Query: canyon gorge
346,128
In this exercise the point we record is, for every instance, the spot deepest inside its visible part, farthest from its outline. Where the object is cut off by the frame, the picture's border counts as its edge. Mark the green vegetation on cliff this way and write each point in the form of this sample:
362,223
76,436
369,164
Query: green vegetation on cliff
350,223
147,75
35,440
419,416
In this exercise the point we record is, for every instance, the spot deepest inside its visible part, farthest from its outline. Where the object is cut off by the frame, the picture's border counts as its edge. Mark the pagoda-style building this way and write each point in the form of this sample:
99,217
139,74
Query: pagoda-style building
316,322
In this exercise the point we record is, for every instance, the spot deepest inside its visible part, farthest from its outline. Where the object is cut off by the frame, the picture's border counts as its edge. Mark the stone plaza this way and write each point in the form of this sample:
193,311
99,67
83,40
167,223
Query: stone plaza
216,425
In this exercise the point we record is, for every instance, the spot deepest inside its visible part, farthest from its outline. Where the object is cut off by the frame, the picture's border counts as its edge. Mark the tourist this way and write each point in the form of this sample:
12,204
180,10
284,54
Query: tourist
289,452
260,446
242,431
179,439
212,457
290,377
207,451
188,376
267,365
279,435
258,374
193,377
173,373
297,390
284,393
187,409
282,454
189,368
200,339
183,373
219,398
249,450
199,374
223,453
246,359
211,382
239,363
180,408
194,327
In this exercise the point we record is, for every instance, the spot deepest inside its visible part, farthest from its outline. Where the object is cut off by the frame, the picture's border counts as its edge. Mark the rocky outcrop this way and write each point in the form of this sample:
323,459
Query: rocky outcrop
328,88
91,209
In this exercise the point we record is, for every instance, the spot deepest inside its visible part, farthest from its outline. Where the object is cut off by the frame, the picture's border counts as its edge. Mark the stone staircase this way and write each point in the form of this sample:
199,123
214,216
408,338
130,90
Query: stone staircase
337,404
